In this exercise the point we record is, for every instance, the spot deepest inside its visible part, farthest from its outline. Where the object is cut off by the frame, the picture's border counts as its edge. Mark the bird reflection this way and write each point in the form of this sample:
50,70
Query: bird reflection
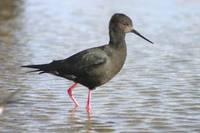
78,123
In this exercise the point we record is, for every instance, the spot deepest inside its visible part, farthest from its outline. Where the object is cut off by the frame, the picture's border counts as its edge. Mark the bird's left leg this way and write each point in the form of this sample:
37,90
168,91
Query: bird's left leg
88,106
71,95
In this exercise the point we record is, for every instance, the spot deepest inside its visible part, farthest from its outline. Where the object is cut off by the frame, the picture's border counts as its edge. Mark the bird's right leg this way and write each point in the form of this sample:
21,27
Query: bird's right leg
71,95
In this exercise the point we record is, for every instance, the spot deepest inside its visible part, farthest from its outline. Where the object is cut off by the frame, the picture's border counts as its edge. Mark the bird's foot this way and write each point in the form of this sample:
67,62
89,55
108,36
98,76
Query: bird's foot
75,101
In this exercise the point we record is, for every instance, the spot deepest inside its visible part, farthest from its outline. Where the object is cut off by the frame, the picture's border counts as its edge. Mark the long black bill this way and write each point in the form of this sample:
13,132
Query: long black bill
137,33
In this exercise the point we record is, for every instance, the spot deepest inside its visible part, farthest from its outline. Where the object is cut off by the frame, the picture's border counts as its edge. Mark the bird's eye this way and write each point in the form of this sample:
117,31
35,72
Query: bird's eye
126,24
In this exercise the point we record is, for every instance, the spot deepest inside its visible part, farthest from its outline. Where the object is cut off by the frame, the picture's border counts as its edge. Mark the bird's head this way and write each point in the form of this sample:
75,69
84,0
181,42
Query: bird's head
123,23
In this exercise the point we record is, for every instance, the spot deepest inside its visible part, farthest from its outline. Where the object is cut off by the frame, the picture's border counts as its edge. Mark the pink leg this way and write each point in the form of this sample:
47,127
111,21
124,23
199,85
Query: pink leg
88,106
71,95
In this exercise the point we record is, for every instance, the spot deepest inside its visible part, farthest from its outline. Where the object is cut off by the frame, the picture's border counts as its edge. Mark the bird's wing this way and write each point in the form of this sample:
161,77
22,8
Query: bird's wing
84,61
91,59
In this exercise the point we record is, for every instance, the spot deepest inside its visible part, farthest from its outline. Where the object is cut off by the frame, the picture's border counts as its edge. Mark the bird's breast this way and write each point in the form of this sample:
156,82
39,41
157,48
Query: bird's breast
114,64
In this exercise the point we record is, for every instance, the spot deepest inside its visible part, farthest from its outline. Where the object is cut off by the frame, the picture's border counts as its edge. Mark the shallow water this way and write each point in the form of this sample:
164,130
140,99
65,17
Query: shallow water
158,89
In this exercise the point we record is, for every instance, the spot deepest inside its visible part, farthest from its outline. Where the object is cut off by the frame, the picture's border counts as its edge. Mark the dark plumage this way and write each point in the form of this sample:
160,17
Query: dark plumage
95,66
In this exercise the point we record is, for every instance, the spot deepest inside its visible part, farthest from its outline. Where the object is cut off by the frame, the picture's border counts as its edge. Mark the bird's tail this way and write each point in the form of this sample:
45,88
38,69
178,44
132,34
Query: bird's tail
42,68
46,68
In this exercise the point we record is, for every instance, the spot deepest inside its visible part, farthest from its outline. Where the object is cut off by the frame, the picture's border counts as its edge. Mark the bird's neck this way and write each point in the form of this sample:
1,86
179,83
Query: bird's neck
117,38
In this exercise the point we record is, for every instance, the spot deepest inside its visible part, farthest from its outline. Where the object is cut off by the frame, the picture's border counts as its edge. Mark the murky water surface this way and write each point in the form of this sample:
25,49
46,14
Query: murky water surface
158,89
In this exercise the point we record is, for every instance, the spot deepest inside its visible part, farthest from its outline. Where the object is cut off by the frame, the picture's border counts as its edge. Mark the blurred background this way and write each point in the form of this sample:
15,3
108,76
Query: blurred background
158,89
